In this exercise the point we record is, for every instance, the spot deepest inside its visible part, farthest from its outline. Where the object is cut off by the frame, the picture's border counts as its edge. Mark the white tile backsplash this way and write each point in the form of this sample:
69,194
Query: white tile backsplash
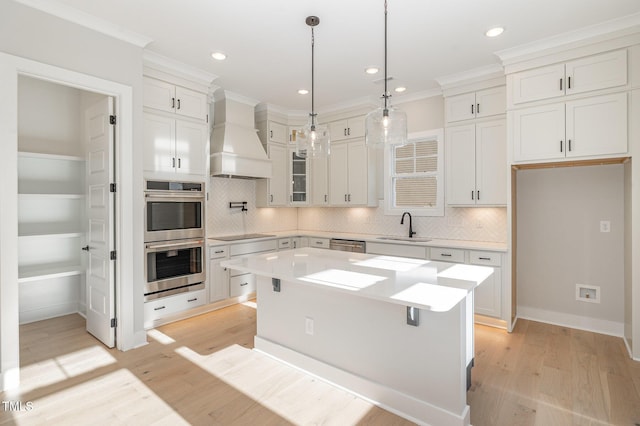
221,220
472,224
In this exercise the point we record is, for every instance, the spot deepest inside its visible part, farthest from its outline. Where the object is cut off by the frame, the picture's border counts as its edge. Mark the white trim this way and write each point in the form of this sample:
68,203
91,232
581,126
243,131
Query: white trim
126,295
416,96
596,325
438,210
68,13
465,77
176,68
595,33
382,396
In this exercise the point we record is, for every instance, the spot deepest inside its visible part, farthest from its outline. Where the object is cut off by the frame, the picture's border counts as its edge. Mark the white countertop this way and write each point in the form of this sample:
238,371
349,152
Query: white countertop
460,244
424,284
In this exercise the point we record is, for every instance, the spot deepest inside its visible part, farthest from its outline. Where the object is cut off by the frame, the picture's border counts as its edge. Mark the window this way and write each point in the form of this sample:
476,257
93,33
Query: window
414,175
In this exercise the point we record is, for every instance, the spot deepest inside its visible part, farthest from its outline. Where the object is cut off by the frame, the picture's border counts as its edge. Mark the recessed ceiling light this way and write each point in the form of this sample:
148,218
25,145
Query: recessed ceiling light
494,32
219,56
400,89
372,70
303,92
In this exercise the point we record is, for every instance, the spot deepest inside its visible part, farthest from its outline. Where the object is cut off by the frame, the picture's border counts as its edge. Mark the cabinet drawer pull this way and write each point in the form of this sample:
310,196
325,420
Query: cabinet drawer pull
243,284
285,243
569,141
219,251
560,146
192,300
159,307
348,131
173,162
319,243
484,258
445,254
561,84
568,82
477,108
325,198
178,103
471,108
478,197
472,195
179,163
349,197
173,103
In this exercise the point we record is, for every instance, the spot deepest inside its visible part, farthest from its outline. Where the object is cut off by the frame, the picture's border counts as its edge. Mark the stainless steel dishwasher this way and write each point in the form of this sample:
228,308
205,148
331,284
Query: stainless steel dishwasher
347,245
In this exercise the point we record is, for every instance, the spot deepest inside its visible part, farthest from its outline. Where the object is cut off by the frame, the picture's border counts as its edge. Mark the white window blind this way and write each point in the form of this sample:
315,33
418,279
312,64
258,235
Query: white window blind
414,177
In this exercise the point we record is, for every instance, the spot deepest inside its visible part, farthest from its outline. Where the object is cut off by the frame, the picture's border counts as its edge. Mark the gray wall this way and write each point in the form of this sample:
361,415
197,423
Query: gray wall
560,243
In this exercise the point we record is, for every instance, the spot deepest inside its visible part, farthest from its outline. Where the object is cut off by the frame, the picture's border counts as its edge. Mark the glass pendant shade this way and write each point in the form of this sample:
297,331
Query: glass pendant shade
386,128
312,140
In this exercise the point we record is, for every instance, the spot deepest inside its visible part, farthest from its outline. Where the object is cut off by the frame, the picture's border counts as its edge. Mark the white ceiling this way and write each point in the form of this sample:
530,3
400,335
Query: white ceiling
269,45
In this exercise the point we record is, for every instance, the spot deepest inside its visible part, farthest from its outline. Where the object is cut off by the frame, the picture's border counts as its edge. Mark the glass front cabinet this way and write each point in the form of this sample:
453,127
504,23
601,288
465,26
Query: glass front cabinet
298,187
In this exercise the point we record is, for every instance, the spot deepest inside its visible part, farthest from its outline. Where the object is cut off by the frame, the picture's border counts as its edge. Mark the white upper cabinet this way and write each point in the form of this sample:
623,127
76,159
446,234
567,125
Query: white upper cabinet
477,164
168,97
582,75
350,128
483,103
349,174
272,192
319,181
172,145
588,127
278,133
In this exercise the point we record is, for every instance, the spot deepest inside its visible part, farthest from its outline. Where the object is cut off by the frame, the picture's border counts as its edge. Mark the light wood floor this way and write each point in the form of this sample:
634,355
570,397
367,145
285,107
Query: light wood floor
202,371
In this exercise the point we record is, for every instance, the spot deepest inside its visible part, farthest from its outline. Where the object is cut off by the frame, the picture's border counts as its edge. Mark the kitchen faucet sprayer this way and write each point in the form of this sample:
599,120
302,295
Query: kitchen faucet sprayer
411,231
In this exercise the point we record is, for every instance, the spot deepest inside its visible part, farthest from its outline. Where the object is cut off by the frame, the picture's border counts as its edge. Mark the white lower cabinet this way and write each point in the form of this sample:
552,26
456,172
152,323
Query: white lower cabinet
241,284
319,242
487,296
402,250
218,275
172,305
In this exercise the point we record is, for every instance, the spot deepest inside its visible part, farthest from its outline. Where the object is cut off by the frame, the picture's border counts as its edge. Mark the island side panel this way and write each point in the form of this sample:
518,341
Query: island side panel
371,339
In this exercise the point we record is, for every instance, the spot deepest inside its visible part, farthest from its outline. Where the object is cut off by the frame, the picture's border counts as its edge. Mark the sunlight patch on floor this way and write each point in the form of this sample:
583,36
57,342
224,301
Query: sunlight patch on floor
141,406
250,304
160,337
275,385
60,368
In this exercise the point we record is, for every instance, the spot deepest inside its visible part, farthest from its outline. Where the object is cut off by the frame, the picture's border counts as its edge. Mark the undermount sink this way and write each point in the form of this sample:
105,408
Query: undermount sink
411,240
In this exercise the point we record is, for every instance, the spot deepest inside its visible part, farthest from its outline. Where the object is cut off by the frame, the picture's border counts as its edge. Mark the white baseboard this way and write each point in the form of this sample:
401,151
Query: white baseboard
410,408
596,325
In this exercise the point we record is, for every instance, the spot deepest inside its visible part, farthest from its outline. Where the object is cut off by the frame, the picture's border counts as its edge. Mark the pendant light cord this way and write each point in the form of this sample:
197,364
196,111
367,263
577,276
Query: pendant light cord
386,93
313,115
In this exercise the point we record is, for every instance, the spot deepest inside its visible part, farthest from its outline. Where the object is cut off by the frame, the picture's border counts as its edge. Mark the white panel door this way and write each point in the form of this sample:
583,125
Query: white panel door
100,211
159,143
278,183
357,173
190,103
597,126
338,161
491,102
460,107
539,83
319,181
597,72
190,147
461,160
491,163
538,133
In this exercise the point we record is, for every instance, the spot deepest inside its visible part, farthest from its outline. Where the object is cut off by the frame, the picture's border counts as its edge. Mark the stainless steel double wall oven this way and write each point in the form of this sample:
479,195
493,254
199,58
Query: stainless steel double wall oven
174,237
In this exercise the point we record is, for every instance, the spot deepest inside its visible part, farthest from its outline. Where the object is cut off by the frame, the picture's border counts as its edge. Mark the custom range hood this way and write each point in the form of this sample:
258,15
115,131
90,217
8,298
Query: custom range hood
236,150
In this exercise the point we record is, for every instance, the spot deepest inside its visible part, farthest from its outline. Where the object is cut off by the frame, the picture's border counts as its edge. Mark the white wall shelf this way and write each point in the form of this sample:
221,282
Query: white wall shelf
45,272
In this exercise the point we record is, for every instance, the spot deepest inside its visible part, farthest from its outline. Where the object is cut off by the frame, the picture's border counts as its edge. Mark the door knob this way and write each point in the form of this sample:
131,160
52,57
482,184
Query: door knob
85,248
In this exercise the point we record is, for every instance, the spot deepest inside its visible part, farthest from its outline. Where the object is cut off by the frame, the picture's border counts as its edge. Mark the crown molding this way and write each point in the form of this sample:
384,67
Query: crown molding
162,63
417,96
68,13
600,32
232,96
366,102
471,76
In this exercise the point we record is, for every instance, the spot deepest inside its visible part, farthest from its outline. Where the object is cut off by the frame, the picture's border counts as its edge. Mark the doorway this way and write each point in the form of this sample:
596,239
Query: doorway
65,209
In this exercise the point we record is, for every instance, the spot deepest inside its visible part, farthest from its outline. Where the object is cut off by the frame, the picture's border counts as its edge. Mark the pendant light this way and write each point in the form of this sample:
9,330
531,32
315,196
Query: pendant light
312,140
385,125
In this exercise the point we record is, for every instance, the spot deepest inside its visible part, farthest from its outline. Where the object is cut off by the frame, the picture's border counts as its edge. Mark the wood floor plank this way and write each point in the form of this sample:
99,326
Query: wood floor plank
202,371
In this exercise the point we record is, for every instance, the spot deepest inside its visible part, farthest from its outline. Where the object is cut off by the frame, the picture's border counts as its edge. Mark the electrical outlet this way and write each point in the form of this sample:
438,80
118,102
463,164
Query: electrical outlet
605,226
588,293
308,326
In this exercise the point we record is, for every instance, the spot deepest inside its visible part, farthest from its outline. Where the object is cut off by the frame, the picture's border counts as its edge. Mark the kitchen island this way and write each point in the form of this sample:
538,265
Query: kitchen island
396,331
